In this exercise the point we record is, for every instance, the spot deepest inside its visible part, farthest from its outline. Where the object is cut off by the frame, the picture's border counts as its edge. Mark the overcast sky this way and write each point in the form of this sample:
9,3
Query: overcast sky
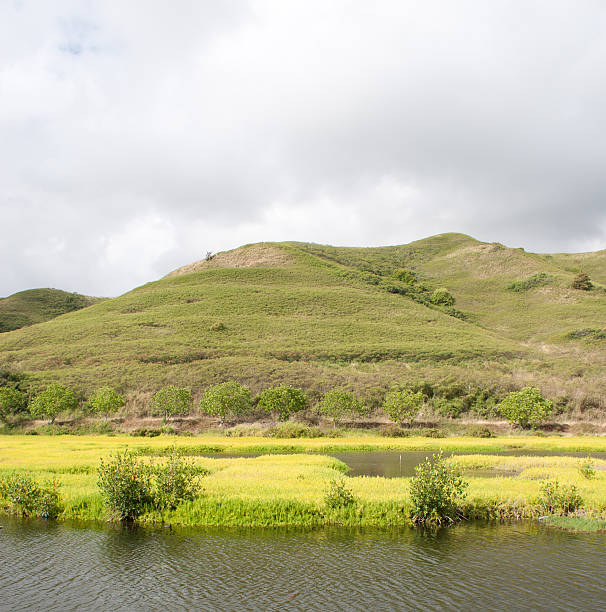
135,136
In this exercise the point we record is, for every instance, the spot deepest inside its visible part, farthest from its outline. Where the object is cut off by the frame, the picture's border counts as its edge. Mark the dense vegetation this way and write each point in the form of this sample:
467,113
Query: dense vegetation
38,305
438,312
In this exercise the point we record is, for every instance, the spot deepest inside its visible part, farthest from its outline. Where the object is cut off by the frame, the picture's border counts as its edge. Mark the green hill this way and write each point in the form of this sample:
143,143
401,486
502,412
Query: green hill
318,316
38,305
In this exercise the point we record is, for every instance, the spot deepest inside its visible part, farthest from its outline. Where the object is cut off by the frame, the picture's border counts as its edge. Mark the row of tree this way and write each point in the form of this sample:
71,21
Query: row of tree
230,400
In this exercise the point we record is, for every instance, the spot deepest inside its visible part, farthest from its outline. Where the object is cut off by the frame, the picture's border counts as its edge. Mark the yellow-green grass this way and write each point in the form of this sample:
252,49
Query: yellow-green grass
289,489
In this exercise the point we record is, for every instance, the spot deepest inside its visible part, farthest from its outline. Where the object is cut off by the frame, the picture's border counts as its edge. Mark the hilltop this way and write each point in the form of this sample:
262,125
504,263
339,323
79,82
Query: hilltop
317,316
39,305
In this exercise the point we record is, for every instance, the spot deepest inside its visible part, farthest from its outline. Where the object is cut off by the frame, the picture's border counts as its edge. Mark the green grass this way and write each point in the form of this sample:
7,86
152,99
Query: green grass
578,524
38,305
289,489
317,317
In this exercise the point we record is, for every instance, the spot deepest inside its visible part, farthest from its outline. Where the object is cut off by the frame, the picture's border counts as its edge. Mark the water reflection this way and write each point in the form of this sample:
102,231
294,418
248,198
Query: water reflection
521,566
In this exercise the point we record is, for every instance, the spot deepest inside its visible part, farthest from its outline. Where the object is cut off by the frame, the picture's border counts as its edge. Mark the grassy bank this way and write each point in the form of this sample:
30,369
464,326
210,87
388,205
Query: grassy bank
289,489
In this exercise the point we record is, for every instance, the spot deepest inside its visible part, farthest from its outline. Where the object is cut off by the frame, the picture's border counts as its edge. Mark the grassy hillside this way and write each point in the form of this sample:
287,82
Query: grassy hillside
38,305
318,316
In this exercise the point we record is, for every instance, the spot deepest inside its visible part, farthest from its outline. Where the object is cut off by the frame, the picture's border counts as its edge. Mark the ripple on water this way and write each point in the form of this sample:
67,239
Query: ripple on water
471,567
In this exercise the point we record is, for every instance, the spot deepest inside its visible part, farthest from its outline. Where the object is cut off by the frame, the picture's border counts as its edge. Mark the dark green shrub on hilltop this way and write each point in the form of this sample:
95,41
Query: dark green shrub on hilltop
442,297
582,282
536,280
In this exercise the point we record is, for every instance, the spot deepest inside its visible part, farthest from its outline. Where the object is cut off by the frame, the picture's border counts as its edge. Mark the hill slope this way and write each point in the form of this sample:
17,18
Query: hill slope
38,305
318,316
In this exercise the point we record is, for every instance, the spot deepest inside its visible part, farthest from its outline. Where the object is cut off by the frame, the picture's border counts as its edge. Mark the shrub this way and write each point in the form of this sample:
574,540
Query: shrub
28,498
442,297
293,430
587,469
53,400
403,405
12,402
536,280
526,408
218,326
283,400
338,495
479,431
450,408
393,431
171,401
245,430
436,491
145,432
337,404
175,481
106,401
227,399
582,281
559,499
432,432
405,276
125,484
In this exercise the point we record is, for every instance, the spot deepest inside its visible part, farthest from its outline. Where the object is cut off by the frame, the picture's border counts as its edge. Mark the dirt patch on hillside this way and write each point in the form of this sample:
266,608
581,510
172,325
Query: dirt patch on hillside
253,256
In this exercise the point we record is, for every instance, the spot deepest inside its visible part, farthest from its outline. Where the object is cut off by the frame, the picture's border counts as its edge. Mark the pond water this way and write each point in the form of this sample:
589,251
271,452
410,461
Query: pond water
402,464
524,566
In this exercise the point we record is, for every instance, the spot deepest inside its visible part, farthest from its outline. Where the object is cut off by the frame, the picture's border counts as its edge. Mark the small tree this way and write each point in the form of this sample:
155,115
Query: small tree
402,405
283,400
436,491
227,399
442,297
171,401
53,400
337,404
12,402
106,401
526,408
582,281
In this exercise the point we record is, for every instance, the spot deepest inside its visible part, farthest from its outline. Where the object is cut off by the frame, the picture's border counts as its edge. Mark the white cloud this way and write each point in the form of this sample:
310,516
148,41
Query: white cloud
203,125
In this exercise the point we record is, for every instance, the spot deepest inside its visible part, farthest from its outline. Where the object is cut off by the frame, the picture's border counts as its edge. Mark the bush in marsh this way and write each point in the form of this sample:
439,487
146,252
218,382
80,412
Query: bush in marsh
56,398
125,483
587,468
555,498
284,401
436,491
175,481
526,408
293,430
171,401
338,495
27,497
228,399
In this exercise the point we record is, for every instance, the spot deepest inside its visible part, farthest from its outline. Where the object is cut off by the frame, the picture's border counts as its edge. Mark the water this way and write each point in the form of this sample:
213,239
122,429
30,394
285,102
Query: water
525,566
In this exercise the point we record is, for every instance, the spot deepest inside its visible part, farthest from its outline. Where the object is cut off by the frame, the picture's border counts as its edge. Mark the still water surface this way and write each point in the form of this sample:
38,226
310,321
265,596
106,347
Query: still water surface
49,566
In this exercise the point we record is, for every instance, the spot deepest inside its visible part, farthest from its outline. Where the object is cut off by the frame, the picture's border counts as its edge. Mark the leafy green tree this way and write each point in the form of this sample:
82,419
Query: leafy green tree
582,281
442,297
106,401
526,408
436,491
403,405
228,399
283,400
338,404
12,402
171,401
53,400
